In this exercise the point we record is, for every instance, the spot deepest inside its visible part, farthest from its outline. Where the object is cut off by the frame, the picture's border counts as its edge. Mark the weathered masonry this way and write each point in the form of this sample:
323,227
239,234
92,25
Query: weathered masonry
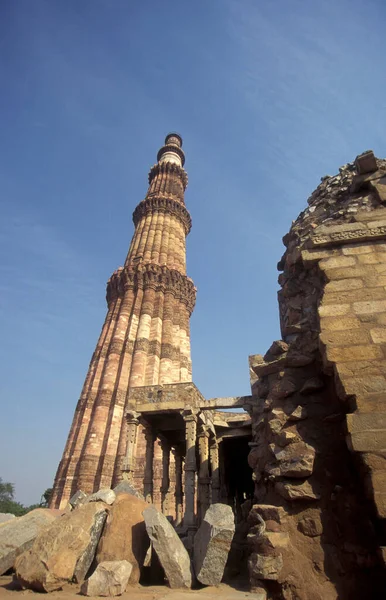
318,403
140,417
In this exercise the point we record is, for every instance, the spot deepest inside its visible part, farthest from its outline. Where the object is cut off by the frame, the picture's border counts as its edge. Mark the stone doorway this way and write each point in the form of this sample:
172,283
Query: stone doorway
235,473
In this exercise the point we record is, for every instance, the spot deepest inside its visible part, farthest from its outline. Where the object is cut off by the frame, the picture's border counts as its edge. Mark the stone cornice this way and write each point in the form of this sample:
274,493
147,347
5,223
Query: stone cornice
348,233
161,204
171,168
158,278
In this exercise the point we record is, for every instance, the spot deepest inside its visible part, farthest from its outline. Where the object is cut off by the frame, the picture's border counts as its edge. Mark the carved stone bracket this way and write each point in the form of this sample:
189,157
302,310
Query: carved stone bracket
155,277
168,167
165,205
352,232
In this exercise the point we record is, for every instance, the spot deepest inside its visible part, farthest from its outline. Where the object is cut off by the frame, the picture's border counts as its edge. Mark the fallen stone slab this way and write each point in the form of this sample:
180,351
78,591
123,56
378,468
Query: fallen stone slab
77,499
64,551
169,549
18,534
104,495
110,578
124,487
212,544
124,536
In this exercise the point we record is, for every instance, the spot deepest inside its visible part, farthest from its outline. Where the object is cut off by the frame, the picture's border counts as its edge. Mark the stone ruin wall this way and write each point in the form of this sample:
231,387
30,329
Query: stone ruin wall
319,413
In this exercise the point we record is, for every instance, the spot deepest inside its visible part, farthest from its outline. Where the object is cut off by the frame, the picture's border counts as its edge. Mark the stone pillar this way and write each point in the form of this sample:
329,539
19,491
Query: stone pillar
214,469
165,446
148,478
179,495
203,473
190,418
132,419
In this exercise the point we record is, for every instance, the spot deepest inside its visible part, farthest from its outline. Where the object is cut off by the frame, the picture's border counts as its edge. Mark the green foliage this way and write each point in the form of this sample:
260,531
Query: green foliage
46,497
8,504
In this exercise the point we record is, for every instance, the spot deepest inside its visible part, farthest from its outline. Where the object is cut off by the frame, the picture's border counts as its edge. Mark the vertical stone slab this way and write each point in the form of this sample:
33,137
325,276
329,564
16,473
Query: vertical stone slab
212,544
169,548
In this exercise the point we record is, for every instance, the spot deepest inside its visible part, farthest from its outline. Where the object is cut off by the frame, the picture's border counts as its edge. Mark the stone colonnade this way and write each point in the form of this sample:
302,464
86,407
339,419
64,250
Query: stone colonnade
195,485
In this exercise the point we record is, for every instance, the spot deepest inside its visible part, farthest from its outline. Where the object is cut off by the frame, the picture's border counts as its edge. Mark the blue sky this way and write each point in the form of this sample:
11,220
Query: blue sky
268,96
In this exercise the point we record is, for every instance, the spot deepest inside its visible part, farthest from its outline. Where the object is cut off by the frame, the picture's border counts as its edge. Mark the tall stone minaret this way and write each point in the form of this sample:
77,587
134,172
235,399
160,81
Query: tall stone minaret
145,337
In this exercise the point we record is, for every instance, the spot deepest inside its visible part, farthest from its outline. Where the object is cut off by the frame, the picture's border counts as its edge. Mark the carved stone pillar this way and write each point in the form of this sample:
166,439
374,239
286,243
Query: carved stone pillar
190,418
214,468
165,446
179,495
132,419
148,478
203,473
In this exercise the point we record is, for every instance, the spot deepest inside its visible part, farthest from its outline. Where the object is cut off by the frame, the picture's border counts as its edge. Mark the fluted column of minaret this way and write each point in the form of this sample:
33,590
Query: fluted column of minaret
145,338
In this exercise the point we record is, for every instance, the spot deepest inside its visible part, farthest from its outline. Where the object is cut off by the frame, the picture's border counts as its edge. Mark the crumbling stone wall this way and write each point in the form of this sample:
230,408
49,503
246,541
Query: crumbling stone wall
319,415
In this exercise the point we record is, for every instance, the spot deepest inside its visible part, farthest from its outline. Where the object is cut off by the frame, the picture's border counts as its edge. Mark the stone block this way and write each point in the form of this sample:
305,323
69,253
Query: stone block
372,259
359,422
265,567
366,162
348,353
340,323
269,543
380,503
124,487
336,262
298,414
379,187
357,249
340,285
295,492
350,296
373,280
64,551
333,310
378,335
367,215
124,536
110,578
313,256
310,526
295,460
375,224
105,495
77,499
345,338
371,403
212,544
365,384
367,367
268,512
328,229
346,273
169,548
368,441
18,534
369,307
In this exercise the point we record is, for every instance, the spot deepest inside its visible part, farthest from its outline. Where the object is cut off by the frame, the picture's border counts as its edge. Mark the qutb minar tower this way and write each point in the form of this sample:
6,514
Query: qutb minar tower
145,339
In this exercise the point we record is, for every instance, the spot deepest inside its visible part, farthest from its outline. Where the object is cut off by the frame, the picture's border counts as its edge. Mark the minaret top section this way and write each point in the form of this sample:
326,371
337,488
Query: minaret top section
172,150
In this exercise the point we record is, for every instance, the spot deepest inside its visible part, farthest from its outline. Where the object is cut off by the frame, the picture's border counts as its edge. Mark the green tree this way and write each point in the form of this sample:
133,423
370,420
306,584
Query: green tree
46,497
8,503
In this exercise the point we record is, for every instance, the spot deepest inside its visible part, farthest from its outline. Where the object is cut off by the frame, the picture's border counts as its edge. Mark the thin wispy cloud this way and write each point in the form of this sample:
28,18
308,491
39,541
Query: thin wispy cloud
268,96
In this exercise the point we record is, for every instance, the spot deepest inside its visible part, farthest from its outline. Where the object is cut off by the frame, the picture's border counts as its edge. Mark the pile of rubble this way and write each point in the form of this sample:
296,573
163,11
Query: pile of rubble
107,541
